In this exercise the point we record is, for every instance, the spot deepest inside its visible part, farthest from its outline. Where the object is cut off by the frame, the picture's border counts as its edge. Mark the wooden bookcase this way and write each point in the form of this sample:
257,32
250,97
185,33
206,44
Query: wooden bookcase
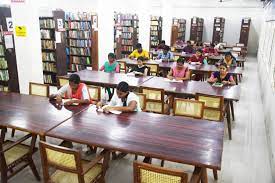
155,31
126,33
244,34
8,65
81,44
178,30
218,30
196,31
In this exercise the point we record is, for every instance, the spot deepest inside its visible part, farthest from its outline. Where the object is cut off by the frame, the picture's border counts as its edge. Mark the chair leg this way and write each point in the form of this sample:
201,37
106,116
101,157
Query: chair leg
162,163
136,157
34,170
215,173
147,160
228,118
204,178
232,110
12,132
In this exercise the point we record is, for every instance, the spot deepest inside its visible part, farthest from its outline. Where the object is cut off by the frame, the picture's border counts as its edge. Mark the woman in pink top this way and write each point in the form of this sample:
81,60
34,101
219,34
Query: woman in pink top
179,71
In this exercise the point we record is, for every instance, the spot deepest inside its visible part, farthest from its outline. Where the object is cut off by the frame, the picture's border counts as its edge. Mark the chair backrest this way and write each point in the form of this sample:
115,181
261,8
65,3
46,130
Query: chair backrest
154,99
240,44
122,67
213,106
154,69
39,89
147,173
61,158
62,81
188,108
95,92
142,100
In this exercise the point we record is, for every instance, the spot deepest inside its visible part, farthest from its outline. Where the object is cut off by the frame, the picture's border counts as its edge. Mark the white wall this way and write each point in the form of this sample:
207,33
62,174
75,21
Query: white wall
266,69
144,8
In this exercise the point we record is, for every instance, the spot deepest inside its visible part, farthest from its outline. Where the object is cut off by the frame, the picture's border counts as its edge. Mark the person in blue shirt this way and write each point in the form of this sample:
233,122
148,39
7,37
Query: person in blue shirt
166,54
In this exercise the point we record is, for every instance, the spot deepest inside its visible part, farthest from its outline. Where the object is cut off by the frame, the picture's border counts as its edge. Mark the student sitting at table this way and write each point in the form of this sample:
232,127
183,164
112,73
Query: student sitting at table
179,71
111,65
188,48
198,45
210,50
222,76
228,59
140,68
166,54
139,52
74,90
197,58
161,45
122,100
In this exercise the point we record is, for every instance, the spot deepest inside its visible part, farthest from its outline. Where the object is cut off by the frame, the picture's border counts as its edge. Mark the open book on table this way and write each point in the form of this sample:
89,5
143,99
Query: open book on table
217,84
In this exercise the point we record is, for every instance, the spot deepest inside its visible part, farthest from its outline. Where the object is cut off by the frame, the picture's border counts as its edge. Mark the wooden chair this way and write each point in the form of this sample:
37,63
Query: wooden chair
69,166
213,110
62,81
154,99
147,173
154,69
142,100
95,92
122,67
188,108
15,156
39,89
213,106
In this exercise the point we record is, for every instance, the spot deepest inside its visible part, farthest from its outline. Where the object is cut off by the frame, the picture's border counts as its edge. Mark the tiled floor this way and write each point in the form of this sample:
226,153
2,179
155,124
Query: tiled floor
245,158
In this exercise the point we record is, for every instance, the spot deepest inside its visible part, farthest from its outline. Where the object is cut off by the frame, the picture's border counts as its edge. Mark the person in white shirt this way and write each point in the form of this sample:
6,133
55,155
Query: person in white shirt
123,100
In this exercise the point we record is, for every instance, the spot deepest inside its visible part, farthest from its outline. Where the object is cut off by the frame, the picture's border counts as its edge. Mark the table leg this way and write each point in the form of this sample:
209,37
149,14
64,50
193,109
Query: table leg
232,110
228,120
3,170
204,178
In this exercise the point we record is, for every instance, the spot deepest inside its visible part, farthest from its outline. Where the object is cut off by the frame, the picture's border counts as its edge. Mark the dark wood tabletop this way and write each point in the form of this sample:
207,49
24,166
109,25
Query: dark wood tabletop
177,139
33,114
100,78
193,87
200,68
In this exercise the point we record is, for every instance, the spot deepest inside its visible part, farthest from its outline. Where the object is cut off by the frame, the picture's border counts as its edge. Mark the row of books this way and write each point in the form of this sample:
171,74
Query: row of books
154,33
51,67
80,51
78,25
3,63
48,78
154,28
127,16
127,48
126,35
80,43
126,23
48,56
76,67
4,75
4,88
80,34
2,52
46,34
126,42
127,29
47,44
85,16
47,23
81,60
155,23
154,43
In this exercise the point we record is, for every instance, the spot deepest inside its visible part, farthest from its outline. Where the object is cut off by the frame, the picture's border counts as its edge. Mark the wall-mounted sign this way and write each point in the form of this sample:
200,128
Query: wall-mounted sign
21,31
9,24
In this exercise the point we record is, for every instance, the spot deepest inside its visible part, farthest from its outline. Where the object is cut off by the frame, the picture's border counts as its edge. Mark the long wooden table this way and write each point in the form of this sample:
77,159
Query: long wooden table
33,114
104,79
177,139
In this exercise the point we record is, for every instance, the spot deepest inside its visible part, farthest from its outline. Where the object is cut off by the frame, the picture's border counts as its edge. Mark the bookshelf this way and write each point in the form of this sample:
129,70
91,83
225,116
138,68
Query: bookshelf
126,33
81,43
47,35
196,31
178,30
244,34
155,31
8,64
218,30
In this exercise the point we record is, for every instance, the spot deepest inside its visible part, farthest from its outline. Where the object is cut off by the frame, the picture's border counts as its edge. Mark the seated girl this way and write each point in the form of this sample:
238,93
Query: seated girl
179,71
229,60
197,58
140,68
111,65
222,76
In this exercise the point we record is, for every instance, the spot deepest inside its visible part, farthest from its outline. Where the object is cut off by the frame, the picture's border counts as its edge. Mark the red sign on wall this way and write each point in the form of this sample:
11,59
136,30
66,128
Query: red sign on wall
17,1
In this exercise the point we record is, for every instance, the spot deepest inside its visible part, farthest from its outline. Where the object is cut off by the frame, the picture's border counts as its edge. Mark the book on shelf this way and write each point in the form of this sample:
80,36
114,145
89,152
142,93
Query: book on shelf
78,25
46,34
48,78
47,23
84,16
80,43
2,51
48,56
48,44
50,67
77,67
81,60
79,34
4,88
3,63
4,75
80,51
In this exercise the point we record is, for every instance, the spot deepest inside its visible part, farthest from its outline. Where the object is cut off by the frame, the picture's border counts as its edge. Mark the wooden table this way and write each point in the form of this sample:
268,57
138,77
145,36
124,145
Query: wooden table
177,139
223,51
104,79
33,114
